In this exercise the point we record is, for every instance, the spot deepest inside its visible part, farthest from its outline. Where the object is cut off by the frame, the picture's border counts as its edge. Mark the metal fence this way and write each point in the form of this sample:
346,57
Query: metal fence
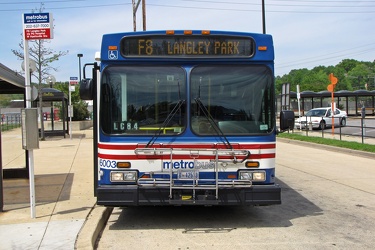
363,130
10,121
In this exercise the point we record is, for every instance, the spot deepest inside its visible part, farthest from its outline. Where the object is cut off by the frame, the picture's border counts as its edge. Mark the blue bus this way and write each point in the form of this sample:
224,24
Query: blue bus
184,117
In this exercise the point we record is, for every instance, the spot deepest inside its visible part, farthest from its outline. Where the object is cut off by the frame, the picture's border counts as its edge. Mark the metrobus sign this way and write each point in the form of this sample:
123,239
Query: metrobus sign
38,26
73,80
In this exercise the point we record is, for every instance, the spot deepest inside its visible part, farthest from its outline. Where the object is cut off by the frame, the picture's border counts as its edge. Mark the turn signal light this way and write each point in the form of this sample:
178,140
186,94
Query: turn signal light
252,164
123,164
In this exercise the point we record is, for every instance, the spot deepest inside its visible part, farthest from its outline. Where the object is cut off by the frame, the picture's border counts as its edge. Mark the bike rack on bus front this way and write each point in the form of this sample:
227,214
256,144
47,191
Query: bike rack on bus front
218,155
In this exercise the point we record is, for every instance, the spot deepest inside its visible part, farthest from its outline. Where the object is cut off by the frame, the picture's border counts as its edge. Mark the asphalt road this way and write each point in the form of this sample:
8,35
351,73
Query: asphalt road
328,203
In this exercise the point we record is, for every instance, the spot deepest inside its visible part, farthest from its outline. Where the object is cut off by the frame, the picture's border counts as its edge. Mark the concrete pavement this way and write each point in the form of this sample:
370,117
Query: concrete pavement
66,214
63,192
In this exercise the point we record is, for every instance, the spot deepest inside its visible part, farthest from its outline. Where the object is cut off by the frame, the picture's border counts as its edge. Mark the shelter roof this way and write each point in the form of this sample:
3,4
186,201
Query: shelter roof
10,81
51,95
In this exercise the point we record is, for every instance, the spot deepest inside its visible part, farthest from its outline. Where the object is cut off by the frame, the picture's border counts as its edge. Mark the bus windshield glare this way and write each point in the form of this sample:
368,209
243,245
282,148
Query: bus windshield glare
142,100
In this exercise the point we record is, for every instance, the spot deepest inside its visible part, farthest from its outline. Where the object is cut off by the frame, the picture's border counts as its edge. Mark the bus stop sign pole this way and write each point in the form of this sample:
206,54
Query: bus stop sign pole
36,26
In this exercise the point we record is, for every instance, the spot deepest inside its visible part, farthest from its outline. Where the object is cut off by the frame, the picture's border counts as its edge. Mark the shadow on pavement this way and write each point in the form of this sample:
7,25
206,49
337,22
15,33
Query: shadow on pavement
217,219
48,188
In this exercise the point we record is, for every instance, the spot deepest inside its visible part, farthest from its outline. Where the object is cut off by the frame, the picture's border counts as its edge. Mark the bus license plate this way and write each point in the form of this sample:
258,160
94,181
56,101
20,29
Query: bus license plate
188,175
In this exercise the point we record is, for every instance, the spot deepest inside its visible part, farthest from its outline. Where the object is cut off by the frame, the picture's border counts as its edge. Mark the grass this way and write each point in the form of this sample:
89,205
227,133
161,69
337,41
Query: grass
328,141
6,127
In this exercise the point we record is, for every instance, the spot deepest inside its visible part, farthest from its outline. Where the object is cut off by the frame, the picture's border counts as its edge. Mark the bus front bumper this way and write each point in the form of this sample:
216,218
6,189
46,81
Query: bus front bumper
120,195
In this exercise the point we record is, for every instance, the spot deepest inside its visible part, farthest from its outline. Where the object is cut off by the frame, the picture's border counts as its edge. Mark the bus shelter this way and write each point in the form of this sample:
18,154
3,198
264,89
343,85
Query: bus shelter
57,118
349,101
10,83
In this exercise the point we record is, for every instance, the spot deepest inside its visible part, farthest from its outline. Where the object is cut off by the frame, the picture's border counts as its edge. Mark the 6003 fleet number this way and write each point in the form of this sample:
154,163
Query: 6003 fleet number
107,163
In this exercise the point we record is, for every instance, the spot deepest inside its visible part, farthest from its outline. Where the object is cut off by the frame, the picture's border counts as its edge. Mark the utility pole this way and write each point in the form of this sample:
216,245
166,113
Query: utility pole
135,8
264,17
144,14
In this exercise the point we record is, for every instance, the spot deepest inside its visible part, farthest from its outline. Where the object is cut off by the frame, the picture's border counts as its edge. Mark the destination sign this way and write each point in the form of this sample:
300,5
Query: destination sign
187,46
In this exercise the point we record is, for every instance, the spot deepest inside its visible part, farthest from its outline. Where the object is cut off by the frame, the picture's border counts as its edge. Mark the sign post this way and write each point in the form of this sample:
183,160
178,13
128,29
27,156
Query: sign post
299,106
331,88
36,26
72,82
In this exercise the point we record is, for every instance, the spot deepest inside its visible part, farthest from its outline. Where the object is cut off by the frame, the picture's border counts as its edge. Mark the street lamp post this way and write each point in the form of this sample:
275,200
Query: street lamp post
79,65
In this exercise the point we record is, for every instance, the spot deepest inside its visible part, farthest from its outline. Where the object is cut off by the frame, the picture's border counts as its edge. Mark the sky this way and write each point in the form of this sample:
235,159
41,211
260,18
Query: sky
306,33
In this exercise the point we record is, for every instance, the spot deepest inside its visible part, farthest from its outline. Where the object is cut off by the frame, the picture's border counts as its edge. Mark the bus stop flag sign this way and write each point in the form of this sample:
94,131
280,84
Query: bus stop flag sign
38,26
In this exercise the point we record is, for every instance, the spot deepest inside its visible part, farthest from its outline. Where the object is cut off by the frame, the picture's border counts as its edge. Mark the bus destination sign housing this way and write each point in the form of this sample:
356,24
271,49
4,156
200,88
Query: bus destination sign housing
187,46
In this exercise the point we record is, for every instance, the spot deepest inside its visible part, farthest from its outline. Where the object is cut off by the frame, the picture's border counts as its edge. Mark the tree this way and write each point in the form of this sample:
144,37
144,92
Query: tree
41,54
358,76
80,111
351,74
44,57
347,64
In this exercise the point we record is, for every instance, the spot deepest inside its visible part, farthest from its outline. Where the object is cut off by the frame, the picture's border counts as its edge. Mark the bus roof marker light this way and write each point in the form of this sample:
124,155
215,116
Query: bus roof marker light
206,32
169,32
262,48
188,32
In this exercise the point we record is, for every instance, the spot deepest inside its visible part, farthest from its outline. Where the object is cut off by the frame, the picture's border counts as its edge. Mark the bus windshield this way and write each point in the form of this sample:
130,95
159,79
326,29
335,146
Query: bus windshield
145,100
239,99
142,100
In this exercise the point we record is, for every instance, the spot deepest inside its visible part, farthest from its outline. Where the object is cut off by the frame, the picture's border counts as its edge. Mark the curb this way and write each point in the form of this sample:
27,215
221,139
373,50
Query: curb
93,226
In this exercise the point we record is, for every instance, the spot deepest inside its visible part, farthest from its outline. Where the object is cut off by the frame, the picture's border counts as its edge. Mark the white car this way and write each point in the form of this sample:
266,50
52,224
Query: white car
321,118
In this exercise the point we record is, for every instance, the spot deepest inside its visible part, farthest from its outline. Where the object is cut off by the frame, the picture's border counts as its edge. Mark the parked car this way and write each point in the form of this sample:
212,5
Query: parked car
320,118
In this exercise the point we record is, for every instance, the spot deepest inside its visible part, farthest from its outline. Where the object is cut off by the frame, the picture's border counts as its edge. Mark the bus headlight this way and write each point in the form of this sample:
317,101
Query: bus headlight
245,176
252,175
259,176
123,176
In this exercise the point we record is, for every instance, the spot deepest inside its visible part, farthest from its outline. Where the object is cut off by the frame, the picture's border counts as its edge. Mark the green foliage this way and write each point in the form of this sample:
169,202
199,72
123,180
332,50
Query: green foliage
80,111
6,98
351,74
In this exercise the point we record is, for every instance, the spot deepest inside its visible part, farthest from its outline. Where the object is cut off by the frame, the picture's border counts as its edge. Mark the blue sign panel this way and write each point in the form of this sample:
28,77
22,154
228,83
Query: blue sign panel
36,18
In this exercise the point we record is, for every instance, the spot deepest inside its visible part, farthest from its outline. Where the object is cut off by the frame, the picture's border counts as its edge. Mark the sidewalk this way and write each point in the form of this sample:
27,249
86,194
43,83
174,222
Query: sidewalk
63,192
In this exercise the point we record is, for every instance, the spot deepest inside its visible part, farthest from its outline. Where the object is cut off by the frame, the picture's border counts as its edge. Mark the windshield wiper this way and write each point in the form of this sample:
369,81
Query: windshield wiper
165,123
217,129
212,122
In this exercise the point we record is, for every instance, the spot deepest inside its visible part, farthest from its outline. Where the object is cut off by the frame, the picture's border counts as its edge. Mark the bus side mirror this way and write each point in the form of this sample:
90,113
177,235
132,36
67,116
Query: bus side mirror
86,89
286,120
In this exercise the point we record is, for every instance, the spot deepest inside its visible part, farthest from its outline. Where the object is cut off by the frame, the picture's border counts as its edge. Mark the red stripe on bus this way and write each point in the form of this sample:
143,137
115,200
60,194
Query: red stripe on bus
188,146
179,157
